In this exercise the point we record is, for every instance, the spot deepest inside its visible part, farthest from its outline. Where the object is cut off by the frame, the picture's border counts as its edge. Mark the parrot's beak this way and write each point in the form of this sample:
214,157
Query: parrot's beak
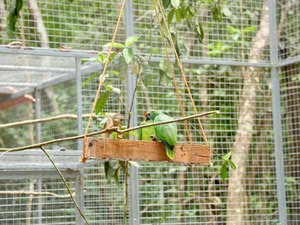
146,116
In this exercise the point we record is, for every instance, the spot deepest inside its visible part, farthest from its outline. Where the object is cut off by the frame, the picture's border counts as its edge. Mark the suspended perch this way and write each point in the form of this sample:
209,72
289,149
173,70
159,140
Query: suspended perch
122,149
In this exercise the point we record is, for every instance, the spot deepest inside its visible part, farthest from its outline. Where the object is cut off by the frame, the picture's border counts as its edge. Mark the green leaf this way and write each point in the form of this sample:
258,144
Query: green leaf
92,59
109,170
249,29
111,57
166,3
171,15
231,164
226,12
178,16
116,176
101,57
175,3
227,156
101,101
115,45
163,218
224,172
128,54
130,40
200,32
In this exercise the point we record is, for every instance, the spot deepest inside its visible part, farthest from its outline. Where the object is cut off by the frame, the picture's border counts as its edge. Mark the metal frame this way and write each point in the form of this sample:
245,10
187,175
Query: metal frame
277,126
134,214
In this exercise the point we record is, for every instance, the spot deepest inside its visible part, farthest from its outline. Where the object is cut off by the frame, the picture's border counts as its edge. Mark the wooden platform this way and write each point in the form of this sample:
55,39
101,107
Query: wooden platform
146,151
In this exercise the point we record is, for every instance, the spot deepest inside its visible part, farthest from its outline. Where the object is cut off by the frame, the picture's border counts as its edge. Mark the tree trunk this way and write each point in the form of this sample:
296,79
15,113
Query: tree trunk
237,203
38,23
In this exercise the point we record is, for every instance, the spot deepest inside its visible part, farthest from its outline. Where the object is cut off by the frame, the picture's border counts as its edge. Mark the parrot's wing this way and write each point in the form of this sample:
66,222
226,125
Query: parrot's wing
166,132
146,133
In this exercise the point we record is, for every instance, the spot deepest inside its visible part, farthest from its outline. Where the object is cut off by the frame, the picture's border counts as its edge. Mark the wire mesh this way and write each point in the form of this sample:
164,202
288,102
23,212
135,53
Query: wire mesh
168,194
27,207
290,99
196,195
227,39
77,24
288,28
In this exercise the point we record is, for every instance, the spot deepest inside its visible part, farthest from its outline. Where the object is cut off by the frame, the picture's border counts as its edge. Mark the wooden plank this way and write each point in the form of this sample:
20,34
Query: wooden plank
146,151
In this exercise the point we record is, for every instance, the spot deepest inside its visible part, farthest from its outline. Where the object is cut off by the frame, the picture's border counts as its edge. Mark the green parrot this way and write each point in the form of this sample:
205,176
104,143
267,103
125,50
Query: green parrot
147,133
167,133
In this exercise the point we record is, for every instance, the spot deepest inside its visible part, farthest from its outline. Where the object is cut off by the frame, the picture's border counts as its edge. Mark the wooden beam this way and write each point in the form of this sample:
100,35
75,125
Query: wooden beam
147,151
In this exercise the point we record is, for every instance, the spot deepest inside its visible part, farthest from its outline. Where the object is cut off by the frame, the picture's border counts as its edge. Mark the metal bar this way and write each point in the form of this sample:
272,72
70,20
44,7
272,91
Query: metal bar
277,126
16,175
278,145
18,84
215,62
79,196
79,102
81,54
33,68
134,214
37,115
40,202
48,52
56,80
288,61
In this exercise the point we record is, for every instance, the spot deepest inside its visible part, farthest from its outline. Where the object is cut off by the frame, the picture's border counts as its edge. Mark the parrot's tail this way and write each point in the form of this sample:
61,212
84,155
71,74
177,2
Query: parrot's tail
169,150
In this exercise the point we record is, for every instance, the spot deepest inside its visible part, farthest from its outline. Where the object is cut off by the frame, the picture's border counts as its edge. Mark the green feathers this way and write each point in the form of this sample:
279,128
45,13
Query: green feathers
167,133
146,134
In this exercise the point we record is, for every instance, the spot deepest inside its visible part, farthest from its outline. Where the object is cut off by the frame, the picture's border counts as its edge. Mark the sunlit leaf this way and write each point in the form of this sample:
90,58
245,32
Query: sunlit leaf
175,3
226,12
227,156
92,59
130,40
249,29
115,45
101,102
128,54
231,164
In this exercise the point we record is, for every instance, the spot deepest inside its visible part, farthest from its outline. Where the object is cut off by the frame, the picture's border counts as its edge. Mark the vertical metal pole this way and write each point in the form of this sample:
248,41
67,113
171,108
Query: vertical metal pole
37,115
277,126
79,101
79,196
134,213
79,178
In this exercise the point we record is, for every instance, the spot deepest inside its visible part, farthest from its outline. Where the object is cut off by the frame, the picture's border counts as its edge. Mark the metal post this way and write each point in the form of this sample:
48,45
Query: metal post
79,101
37,115
134,214
277,126
79,196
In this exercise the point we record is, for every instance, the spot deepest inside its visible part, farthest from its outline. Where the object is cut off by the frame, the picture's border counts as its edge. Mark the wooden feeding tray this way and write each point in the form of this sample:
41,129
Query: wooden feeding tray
146,151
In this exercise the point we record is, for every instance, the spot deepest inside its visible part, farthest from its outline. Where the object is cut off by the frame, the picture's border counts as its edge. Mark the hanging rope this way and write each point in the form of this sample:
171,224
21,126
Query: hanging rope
181,69
102,79
172,72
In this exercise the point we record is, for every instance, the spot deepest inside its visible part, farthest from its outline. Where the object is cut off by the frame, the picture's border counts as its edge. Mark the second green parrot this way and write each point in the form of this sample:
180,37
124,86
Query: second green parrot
167,133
